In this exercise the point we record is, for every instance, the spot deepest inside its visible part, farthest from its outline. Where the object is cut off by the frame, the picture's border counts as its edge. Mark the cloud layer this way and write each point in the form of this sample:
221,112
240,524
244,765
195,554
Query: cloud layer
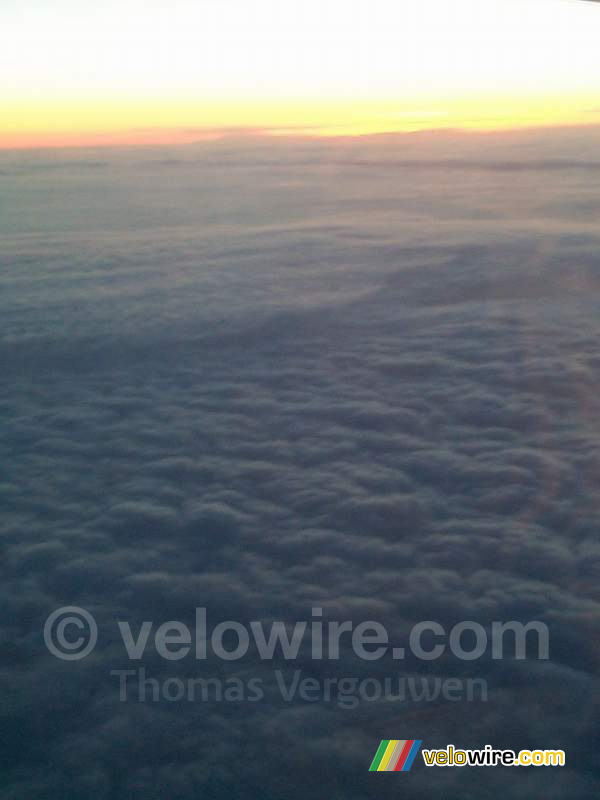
264,377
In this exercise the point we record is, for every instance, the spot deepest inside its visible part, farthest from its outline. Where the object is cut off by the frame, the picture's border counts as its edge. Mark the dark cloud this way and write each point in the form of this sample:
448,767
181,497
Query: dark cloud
355,375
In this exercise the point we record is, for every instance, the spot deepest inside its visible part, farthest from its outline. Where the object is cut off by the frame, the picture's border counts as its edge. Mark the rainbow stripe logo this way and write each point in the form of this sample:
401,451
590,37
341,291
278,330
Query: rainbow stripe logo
395,755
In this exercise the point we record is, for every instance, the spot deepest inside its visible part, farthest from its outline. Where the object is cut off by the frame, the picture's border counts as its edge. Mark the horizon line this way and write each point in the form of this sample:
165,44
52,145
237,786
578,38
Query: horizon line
147,138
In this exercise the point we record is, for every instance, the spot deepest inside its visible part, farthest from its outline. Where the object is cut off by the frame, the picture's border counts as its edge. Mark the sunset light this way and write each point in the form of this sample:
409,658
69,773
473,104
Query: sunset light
141,70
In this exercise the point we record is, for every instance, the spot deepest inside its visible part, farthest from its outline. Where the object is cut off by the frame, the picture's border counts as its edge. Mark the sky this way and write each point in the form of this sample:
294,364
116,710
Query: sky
77,71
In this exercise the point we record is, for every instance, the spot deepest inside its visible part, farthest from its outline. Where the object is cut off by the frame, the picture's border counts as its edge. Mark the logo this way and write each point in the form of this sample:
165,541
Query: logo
395,755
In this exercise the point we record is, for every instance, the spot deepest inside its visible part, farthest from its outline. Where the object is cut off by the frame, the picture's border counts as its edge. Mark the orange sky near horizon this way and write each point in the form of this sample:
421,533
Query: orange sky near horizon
146,71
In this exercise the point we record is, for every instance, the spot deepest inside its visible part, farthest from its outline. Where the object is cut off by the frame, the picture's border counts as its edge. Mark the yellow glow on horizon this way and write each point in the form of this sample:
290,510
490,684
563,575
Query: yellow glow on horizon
55,123
152,70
